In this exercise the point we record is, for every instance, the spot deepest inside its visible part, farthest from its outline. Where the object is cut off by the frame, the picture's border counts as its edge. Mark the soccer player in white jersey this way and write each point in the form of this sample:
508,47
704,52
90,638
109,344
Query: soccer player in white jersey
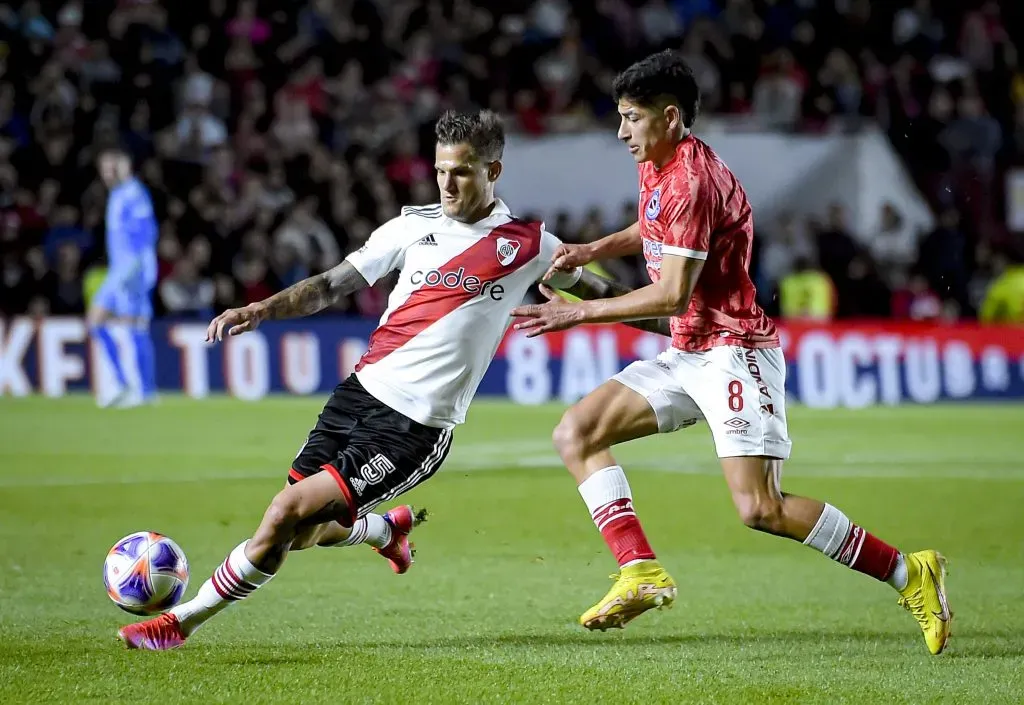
463,265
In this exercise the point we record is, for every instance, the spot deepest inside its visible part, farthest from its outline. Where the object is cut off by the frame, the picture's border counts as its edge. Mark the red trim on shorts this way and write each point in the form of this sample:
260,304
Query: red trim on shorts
345,490
296,475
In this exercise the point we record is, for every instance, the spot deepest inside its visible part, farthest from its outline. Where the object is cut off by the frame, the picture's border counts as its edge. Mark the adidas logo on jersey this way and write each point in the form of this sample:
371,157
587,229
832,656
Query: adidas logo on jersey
427,240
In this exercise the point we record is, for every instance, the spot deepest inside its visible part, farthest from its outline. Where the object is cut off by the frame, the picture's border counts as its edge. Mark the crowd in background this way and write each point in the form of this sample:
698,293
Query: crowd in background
275,136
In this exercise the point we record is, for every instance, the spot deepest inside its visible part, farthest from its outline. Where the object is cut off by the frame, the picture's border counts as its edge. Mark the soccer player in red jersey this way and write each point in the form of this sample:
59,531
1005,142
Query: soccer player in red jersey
725,365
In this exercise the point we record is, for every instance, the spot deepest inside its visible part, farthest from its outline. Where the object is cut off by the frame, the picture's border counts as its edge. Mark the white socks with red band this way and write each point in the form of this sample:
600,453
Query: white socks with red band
610,501
604,487
845,542
235,579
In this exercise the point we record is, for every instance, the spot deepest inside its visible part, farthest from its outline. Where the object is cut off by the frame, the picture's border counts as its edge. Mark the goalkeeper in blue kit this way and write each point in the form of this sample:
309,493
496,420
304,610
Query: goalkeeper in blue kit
126,294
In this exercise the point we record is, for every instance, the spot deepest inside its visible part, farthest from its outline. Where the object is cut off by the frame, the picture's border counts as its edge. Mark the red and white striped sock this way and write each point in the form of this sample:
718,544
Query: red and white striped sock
235,579
845,542
610,502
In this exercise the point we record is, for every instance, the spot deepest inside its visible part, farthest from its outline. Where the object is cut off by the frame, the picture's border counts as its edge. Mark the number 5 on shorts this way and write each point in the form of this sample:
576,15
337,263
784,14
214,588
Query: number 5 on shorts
735,395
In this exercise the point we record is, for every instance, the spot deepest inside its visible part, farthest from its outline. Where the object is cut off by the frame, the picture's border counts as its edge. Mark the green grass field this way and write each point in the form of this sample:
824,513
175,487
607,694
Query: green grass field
506,564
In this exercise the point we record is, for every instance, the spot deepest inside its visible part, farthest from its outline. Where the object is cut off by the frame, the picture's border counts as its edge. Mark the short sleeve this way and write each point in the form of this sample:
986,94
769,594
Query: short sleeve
382,253
549,244
689,221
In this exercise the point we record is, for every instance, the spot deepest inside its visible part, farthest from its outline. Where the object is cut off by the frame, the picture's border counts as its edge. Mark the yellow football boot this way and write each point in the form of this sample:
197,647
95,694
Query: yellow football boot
637,588
925,597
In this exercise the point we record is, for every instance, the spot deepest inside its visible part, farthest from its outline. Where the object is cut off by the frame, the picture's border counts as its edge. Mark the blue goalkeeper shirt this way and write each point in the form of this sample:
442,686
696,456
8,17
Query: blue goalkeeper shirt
131,249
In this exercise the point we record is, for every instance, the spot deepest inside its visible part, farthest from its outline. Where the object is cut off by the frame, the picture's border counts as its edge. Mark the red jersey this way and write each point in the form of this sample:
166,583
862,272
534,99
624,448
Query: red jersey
695,207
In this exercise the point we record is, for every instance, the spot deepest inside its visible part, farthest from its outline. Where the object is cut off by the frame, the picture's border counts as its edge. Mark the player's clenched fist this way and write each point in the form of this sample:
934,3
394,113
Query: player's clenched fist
235,321
568,257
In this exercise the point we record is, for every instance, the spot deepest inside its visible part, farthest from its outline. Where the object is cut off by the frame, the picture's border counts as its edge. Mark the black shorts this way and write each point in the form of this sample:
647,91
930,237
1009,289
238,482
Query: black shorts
372,451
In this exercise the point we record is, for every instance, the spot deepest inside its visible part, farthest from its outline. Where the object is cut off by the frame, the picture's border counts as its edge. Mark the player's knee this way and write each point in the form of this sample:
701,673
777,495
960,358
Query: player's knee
760,512
283,514
573,436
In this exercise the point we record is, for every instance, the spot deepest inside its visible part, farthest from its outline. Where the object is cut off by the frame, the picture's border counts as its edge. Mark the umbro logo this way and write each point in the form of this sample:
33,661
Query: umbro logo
737,426
428,240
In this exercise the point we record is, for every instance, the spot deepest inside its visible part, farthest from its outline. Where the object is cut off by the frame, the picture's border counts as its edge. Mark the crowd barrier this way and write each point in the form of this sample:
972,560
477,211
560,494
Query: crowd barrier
834,365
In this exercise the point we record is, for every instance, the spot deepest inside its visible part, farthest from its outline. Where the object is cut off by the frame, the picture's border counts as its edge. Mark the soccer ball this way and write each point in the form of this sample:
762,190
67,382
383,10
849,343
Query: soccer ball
145,573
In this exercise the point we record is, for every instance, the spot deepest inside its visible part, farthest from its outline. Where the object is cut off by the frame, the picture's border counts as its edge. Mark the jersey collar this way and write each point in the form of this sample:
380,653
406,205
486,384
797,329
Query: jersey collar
677,158
499,210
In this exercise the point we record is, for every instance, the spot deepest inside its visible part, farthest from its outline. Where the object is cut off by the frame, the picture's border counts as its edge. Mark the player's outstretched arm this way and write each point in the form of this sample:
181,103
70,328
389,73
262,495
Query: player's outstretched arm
314,294
302,299
669,296
569,256
592,286
625,242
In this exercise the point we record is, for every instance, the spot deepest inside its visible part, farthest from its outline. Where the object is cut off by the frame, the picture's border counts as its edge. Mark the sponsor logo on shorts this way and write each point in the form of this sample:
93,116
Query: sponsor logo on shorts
737,426
750,358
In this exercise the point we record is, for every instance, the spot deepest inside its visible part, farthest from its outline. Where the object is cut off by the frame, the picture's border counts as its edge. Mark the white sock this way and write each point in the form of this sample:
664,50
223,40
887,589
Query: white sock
235,579
372,529
899,576
830,533
603,488
610,502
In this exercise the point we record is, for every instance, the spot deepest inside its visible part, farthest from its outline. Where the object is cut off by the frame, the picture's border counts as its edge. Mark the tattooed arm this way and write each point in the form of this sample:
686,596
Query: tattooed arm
302,299
314,294
591,286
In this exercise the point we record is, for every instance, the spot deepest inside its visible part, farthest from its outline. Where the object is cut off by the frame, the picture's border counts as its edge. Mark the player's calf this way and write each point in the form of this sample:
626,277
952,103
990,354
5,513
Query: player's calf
756,491
249,566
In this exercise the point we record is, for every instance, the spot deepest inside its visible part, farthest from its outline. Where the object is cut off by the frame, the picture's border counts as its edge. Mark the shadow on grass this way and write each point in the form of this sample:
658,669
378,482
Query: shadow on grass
752,646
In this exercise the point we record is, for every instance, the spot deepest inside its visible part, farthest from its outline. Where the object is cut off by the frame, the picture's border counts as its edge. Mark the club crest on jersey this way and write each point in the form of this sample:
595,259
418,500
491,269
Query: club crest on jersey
507,250
653,205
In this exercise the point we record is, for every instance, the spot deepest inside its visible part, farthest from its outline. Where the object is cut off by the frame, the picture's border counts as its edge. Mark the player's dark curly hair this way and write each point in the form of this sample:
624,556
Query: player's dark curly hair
662,78
482,130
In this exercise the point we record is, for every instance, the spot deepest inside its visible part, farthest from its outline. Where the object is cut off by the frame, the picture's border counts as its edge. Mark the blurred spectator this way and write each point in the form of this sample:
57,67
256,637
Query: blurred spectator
836,247
780,252
779,92
916,301
185,292
943,258
65,229
407,165
894,244
308,236
861,291
974,137
246,25
807,293
197,132
62,286
1004,302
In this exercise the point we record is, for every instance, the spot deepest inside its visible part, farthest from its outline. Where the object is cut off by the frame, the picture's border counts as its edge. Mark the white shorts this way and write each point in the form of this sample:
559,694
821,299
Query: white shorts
741,393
